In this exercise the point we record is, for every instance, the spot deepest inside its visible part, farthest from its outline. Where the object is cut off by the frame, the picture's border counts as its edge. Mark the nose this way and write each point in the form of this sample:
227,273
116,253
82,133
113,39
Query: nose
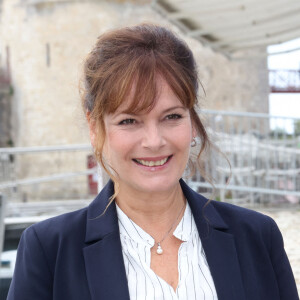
153,137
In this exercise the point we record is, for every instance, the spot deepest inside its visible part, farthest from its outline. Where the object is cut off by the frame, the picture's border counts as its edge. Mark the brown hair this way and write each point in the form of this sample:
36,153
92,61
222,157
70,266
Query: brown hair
135,56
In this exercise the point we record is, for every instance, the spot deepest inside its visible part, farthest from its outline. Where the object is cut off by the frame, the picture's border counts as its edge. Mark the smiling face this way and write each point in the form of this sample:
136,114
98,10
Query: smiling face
149,151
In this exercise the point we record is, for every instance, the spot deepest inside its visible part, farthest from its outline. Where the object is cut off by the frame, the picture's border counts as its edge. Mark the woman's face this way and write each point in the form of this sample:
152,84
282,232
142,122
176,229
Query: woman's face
149,151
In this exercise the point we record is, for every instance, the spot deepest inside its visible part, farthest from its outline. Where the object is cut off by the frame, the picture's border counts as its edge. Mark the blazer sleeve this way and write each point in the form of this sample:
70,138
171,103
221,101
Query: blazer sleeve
32,277
281,265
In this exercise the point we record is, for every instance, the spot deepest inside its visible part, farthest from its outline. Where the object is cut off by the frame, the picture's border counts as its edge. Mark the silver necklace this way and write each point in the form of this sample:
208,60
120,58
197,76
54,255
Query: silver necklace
159,249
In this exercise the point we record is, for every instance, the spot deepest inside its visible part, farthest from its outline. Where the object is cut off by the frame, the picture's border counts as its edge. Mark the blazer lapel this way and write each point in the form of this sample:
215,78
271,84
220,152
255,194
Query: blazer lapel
219,247
103,256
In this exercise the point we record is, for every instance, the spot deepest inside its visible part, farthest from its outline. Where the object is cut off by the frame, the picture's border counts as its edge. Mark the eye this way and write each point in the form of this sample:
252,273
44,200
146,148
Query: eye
127,122
173,117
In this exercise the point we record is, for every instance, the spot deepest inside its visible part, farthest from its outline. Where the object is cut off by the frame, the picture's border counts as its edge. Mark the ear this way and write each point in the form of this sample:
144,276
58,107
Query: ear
92,128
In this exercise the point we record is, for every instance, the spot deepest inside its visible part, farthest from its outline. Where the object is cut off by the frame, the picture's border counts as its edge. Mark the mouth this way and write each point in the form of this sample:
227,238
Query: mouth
152,163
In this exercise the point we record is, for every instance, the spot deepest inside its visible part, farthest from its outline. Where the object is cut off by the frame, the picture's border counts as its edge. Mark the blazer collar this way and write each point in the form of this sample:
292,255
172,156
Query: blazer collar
104,260
202,210
99,224
103,256
218,245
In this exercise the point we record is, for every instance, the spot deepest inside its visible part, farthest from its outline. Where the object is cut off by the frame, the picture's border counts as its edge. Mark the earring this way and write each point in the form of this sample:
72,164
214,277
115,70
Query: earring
193,143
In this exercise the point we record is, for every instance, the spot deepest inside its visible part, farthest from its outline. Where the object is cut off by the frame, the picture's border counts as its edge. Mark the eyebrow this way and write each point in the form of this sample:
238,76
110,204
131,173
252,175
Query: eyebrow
174,107
164,111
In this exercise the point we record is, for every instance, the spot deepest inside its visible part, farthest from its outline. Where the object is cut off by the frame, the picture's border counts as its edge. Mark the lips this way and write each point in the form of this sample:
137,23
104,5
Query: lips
148,162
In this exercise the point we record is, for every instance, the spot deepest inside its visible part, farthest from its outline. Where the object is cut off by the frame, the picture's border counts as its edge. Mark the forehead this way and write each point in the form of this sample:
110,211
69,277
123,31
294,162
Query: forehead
163,98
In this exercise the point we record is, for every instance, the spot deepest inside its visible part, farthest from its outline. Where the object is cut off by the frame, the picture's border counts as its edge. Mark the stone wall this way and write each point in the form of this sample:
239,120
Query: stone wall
234,84
48,41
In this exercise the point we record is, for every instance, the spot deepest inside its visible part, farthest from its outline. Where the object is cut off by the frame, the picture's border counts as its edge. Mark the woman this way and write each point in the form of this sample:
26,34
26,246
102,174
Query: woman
147,235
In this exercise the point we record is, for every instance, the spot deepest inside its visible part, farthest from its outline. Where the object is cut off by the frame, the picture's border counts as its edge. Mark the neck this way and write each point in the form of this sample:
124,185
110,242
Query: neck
153,212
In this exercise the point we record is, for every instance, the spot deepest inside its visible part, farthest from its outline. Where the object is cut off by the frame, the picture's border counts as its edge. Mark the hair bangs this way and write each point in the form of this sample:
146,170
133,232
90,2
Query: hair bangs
135,87
181,86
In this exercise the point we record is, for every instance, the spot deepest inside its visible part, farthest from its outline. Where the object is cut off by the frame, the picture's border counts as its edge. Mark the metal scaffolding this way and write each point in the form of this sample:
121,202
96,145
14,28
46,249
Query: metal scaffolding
284,81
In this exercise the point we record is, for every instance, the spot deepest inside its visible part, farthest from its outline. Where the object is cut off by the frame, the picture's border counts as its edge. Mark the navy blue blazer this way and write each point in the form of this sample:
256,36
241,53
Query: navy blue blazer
77,256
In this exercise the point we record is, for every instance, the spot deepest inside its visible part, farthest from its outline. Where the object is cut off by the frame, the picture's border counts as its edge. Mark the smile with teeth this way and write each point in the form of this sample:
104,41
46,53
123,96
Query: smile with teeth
152,163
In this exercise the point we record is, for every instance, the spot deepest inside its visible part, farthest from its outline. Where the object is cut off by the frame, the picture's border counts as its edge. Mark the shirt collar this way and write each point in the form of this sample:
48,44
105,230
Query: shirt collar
186,226
130,230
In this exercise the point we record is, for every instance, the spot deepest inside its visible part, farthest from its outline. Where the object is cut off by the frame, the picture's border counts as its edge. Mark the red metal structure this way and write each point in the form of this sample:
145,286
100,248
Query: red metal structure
4,79
284,81
92,179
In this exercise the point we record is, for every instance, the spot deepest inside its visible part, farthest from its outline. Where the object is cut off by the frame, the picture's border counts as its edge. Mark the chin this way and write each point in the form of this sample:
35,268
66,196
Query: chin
159,185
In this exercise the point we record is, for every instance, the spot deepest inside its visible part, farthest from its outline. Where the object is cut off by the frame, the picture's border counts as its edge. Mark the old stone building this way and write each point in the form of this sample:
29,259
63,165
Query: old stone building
47,41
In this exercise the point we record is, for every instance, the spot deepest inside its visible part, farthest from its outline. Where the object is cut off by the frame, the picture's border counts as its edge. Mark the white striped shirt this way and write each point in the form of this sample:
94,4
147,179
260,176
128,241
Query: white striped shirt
195,280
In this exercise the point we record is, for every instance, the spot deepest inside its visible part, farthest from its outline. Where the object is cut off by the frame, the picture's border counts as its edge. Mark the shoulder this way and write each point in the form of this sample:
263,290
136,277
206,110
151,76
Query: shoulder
54,231
226,216
63,223
68,230
244,220
234,213
254,233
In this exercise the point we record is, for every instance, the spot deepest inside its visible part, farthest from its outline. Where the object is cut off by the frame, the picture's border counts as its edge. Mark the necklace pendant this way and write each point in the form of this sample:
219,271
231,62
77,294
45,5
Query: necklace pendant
159,249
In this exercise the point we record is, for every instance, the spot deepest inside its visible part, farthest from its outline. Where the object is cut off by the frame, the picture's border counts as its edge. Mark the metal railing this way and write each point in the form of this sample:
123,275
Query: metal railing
264,158
8,170
45,175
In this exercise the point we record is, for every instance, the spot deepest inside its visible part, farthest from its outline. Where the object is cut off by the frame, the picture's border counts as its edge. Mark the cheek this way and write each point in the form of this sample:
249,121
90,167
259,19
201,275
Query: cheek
183,136
118,145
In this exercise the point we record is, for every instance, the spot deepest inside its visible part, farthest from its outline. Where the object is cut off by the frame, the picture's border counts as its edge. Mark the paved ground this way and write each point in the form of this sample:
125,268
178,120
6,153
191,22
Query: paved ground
289,223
